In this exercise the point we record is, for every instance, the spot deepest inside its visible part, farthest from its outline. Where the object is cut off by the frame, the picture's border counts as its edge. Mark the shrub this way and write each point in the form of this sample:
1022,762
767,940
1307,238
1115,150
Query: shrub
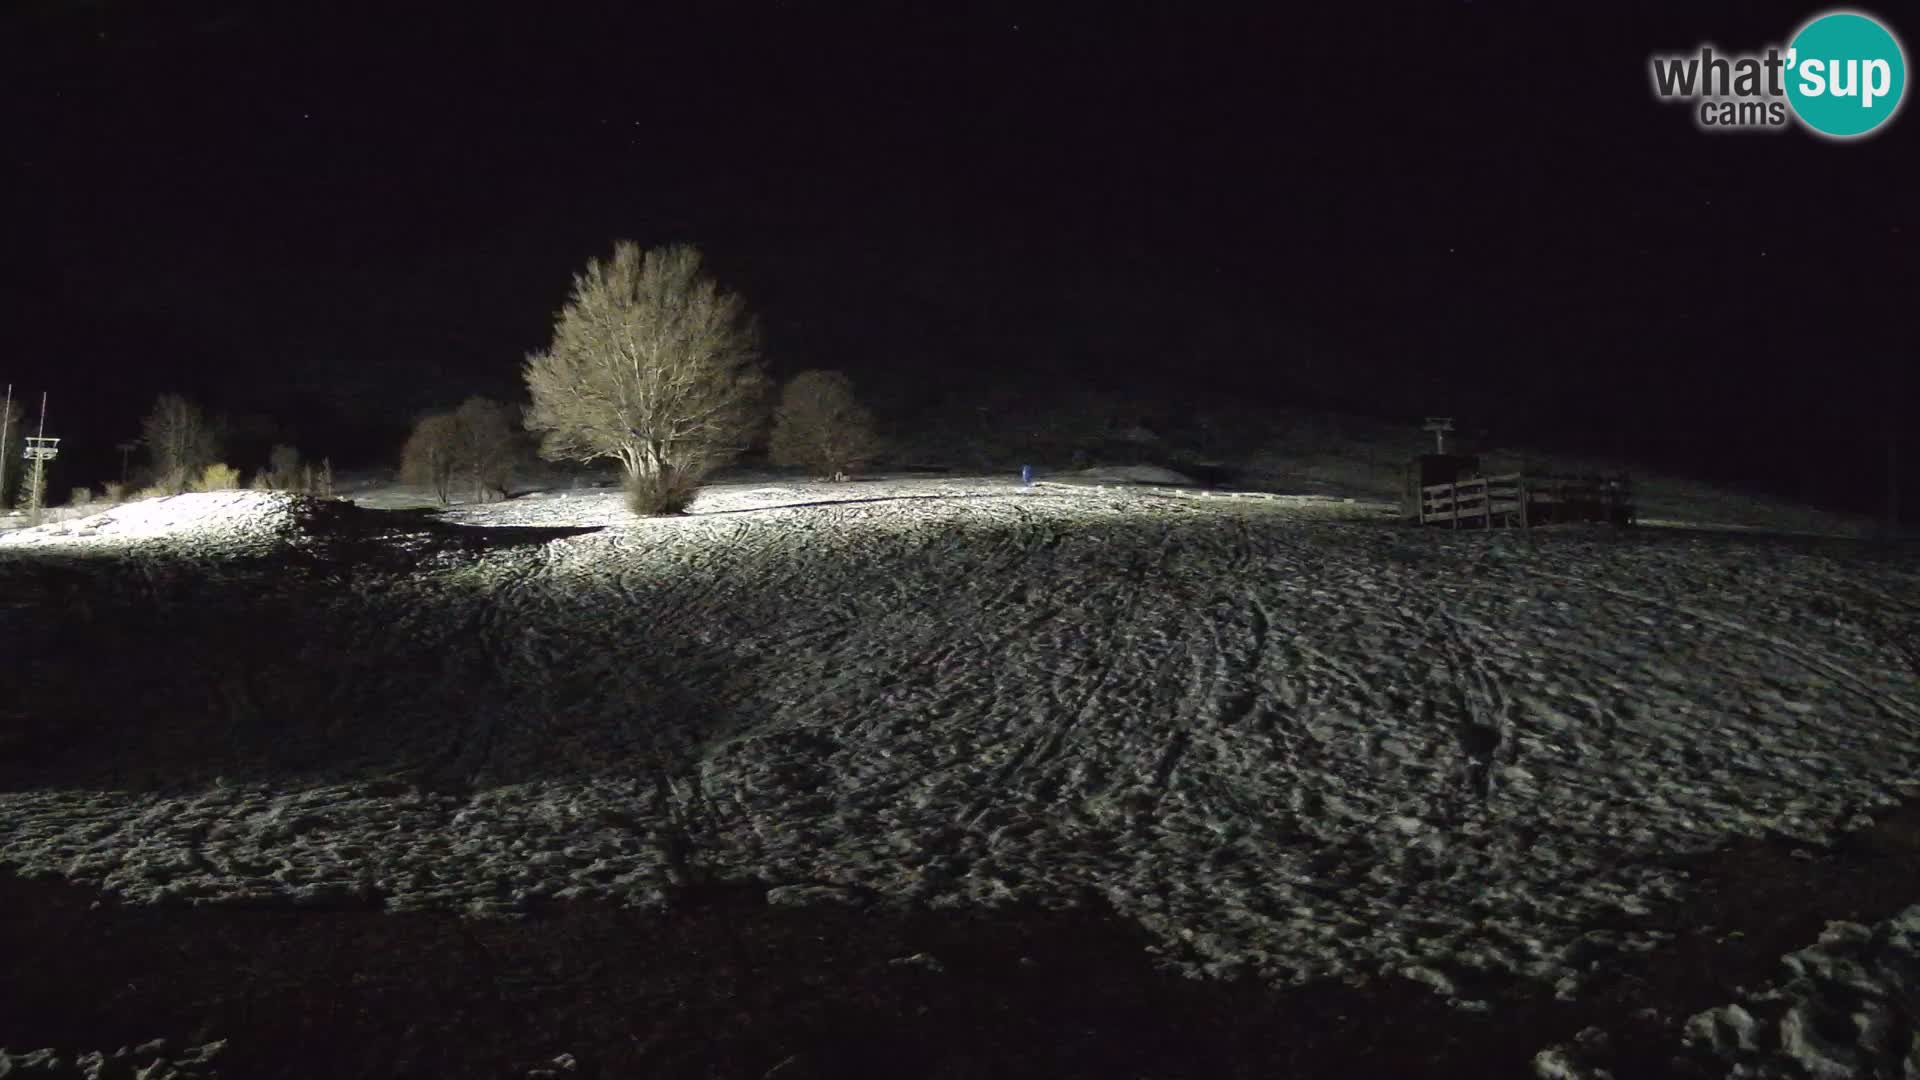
113,491
661,492
217,477
154,491
80,496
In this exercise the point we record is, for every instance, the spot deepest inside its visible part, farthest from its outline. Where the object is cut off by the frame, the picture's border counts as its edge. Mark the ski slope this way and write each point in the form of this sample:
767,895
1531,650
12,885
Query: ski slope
1290,737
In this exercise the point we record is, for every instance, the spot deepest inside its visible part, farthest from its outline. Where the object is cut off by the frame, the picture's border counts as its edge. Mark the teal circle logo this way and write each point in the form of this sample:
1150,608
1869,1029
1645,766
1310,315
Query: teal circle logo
1846,74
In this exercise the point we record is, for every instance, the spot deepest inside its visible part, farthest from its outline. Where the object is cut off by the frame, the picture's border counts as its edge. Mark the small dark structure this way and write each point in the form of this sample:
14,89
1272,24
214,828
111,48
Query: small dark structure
1526,500
1427,470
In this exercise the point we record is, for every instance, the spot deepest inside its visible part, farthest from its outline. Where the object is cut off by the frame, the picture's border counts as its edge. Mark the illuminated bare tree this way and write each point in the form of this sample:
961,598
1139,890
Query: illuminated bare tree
821,425
180,441
652,365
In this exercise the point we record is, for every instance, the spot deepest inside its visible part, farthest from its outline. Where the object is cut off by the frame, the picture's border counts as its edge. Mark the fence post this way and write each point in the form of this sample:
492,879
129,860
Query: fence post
1523,500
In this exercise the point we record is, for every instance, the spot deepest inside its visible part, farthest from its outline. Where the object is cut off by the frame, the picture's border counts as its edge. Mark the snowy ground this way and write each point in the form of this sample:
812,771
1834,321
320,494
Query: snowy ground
1835,1012
1289,737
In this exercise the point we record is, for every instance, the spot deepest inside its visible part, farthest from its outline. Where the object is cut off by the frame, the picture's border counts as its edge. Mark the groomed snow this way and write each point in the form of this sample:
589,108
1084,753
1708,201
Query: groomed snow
1290,738
210,523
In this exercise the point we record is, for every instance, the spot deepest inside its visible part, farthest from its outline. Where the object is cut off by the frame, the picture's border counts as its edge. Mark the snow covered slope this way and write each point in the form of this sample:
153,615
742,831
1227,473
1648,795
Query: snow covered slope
1291,738
216,523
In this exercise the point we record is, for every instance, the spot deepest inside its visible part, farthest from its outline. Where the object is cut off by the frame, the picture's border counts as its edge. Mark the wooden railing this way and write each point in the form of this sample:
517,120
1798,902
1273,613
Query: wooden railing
1523,500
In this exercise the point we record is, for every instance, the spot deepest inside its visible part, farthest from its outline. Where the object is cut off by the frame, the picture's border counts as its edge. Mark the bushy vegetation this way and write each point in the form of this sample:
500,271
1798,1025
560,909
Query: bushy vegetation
668,491
820,424
216,477
652,365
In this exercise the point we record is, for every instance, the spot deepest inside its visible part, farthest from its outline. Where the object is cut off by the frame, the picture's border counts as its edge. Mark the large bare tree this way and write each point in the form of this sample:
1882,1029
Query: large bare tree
180,441
821,425
652,365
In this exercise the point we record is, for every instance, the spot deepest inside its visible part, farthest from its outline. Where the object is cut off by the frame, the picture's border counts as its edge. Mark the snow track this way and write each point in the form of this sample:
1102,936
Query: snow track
1289,738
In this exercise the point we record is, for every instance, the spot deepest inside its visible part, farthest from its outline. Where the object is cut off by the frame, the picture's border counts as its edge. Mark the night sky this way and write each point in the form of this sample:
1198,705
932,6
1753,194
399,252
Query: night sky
336,215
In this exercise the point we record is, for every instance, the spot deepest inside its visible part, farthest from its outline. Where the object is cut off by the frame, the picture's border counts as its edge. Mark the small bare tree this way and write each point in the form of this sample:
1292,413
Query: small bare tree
486,445
431,456
652,365
821,425
180,441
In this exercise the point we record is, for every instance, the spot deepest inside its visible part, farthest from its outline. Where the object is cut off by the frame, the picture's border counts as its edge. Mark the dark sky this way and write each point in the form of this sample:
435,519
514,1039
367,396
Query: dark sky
337,214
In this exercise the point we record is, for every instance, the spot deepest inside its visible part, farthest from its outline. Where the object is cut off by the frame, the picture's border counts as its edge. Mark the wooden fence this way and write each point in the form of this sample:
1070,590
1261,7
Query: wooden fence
1525,501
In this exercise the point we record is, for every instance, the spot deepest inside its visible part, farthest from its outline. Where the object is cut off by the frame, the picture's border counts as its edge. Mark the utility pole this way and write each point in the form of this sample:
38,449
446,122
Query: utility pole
126,448
1439,425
